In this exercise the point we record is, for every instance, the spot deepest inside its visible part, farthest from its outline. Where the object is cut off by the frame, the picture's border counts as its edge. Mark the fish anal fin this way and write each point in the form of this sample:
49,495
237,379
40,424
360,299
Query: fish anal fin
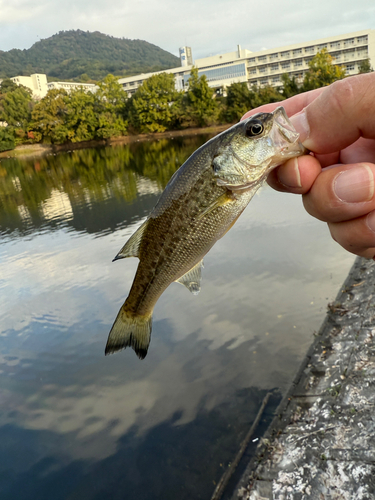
221,201
131,247
192,279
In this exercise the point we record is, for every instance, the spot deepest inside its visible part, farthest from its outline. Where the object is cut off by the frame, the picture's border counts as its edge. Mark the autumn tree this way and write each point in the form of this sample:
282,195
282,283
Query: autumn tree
322,71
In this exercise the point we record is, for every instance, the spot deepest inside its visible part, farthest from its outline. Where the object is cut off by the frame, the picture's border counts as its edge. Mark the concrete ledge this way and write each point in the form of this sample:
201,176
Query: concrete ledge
321,444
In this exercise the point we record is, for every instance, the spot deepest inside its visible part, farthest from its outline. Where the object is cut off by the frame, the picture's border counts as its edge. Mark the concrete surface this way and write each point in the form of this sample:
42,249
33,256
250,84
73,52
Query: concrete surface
321,444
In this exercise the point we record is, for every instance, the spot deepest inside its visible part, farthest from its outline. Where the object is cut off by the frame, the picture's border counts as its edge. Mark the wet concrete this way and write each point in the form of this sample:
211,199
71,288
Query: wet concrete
321,444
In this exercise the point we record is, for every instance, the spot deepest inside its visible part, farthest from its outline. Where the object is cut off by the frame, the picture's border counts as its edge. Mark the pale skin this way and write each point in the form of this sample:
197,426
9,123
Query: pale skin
336,123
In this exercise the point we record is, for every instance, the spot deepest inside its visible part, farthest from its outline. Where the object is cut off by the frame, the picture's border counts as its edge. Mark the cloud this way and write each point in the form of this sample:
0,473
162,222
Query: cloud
208,27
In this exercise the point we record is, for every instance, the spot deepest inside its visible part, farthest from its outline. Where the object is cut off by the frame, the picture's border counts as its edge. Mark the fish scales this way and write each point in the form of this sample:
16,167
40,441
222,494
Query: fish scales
201,202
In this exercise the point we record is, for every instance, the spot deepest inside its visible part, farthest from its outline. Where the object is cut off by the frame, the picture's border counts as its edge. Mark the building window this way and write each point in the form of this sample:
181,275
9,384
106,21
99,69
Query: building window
297,52
274,56
252,60
262,69
350,67
253,71
322,46
274,67
362,39
349,41
309,50
349,55
264,81
285,55
275,79
285,65
334,45
262,58
298,63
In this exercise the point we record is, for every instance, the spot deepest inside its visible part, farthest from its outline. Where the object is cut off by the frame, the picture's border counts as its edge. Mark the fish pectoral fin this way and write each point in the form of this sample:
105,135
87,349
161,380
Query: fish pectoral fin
223,200
192,279
131,247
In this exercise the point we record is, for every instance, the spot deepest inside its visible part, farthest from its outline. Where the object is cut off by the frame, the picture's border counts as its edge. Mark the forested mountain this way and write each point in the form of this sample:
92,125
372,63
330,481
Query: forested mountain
82,55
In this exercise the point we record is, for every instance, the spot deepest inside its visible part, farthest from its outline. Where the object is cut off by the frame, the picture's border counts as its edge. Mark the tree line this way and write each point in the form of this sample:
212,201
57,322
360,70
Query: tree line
156,106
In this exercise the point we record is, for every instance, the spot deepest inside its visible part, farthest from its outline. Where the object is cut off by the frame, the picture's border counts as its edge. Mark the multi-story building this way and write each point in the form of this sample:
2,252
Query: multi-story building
68,86
37,83
265,67
39,86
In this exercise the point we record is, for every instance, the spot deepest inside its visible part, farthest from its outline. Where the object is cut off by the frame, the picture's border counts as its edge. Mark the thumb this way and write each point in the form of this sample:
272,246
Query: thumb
340,114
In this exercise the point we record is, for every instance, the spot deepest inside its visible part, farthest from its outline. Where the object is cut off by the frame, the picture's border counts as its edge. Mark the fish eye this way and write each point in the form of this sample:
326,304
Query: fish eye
254,128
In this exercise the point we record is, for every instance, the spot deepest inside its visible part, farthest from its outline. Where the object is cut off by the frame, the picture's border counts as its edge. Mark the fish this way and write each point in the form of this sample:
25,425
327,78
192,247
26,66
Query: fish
201,202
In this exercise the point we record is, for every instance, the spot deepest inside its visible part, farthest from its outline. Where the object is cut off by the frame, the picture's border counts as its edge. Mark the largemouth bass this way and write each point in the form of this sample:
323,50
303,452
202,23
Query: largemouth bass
201,202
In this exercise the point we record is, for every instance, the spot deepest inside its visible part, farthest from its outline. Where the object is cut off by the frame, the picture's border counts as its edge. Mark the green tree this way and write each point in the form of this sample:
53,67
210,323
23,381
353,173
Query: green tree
290,86
15,107
365,66
266,94
110,108
239,100
322,71
7,141
198,106
152,107
7,85
80,119
49,117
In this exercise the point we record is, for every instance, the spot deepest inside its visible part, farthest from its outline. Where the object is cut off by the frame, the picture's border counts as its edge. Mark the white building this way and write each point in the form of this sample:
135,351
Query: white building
265,67
38,84
68,86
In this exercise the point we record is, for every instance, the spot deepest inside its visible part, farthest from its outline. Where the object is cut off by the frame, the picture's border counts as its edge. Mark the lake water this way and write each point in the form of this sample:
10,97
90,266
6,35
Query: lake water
75,424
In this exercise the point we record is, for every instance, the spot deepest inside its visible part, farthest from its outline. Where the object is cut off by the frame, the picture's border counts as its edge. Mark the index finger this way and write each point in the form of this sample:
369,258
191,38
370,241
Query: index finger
292,105
339,116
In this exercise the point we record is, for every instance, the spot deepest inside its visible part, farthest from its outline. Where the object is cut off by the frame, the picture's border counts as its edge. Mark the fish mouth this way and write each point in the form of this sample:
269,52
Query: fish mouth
284,136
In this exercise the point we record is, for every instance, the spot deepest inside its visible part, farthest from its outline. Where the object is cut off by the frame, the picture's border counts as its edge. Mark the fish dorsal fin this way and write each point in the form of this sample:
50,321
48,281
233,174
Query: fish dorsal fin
131,247
192,279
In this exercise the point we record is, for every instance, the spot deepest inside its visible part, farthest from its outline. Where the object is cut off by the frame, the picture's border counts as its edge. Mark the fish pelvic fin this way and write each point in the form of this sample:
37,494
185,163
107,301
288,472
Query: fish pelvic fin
192,279
131,247
130,330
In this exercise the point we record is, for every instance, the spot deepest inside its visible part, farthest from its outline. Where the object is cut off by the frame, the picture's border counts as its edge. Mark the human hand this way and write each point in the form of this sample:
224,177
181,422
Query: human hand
336,123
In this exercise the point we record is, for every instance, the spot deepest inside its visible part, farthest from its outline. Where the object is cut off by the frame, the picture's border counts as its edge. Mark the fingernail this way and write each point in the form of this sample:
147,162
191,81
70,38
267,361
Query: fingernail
355,185
301,125
290,178
370,221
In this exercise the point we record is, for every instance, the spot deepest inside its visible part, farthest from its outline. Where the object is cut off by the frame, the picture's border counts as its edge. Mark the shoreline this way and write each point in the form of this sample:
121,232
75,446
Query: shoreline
37,150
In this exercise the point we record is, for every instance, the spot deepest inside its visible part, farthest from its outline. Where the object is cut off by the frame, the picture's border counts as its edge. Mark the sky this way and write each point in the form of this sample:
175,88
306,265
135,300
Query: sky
209,27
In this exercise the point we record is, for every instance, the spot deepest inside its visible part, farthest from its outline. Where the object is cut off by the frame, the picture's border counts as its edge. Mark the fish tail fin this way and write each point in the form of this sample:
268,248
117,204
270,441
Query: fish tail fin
130,330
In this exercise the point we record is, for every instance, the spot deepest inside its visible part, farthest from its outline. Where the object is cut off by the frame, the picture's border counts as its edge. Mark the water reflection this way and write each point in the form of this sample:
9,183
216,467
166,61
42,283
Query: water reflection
74,424
72,189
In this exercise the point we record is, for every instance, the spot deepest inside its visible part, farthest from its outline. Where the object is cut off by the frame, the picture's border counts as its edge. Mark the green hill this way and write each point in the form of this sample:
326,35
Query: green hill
70,54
